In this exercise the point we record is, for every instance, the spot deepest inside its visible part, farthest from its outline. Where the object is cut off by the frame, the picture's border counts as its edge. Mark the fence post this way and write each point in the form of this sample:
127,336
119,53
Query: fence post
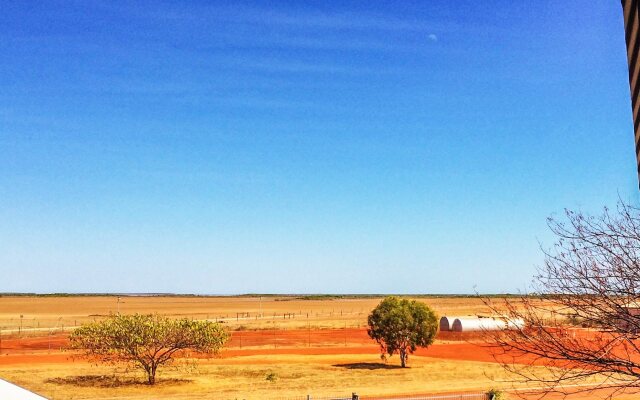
308,397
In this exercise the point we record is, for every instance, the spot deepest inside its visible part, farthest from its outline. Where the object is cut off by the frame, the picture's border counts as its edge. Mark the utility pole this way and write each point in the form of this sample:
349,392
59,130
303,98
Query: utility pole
118,305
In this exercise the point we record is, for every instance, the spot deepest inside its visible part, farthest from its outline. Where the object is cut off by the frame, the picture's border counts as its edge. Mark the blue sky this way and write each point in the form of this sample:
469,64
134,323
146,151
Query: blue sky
361,147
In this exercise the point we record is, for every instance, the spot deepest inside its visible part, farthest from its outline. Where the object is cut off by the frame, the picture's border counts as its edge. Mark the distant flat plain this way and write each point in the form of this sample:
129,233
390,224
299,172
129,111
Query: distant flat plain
256,311
313,345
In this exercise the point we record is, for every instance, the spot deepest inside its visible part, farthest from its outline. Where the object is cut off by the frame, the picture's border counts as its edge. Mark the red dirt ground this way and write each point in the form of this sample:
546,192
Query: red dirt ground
50,350
248,343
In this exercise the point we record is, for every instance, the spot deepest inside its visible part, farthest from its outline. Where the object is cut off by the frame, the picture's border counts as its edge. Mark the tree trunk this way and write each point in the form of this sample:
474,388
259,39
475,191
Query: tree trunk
152,375
403,358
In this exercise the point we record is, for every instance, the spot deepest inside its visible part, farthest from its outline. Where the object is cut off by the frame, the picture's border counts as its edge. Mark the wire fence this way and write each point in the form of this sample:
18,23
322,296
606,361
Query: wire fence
26,339
461,396
250,330
277,332
241,340
310,397
27,324
355,396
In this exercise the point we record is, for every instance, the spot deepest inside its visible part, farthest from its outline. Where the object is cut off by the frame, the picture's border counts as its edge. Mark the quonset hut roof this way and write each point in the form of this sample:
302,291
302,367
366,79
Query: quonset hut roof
446,322
484,324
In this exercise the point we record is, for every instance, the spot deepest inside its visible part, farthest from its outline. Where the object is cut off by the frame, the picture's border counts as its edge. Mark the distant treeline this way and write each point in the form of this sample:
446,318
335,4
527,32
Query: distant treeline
284,297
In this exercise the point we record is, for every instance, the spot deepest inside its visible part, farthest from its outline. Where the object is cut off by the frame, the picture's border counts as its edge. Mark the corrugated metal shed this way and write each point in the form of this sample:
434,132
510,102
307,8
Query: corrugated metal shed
484,324
447,321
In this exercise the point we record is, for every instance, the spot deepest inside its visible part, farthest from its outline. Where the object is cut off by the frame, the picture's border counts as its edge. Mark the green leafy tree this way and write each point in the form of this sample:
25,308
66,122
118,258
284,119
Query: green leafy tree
401,325
146,341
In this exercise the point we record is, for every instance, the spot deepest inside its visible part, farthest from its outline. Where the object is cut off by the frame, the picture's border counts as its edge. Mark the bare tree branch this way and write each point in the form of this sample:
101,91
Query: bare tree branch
583,320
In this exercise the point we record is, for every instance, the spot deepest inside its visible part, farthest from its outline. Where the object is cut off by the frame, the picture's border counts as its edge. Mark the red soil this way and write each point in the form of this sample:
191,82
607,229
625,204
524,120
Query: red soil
50,349
251,343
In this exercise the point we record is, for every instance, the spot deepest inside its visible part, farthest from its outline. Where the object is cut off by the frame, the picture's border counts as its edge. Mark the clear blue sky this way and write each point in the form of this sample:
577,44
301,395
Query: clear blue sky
405,147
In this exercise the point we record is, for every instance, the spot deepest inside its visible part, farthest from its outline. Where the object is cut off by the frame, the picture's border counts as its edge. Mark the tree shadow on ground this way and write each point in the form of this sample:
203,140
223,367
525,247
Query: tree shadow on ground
366,365
110,381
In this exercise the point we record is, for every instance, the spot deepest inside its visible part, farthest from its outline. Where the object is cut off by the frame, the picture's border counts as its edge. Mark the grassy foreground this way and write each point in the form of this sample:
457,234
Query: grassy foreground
246,378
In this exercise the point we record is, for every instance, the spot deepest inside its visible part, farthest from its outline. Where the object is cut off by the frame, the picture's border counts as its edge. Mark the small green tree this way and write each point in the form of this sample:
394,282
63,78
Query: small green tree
146,341
401,325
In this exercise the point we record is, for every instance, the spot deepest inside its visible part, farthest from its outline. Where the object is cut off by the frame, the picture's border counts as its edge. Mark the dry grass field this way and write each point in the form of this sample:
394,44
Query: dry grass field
245,377
315,346
58,313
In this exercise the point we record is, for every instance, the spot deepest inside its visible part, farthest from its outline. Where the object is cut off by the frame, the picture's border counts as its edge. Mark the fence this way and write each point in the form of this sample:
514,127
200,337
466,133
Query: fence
304,328
243,338
296,337
462,396
29,325
355,396
318,322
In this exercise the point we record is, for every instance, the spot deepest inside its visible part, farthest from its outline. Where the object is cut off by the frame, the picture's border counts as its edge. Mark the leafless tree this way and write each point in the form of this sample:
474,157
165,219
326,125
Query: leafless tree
582,322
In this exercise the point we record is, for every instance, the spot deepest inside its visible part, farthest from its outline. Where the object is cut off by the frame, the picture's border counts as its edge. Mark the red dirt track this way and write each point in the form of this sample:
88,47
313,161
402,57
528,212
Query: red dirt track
251,343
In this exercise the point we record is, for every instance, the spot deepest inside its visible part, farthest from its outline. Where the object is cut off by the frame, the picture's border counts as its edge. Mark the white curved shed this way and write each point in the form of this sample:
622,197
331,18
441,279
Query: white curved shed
446,322
515,323
477,324
484,324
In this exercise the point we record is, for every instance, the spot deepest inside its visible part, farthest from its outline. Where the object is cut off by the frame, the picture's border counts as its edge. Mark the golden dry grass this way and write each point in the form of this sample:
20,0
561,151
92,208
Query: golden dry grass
43,313
245,377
